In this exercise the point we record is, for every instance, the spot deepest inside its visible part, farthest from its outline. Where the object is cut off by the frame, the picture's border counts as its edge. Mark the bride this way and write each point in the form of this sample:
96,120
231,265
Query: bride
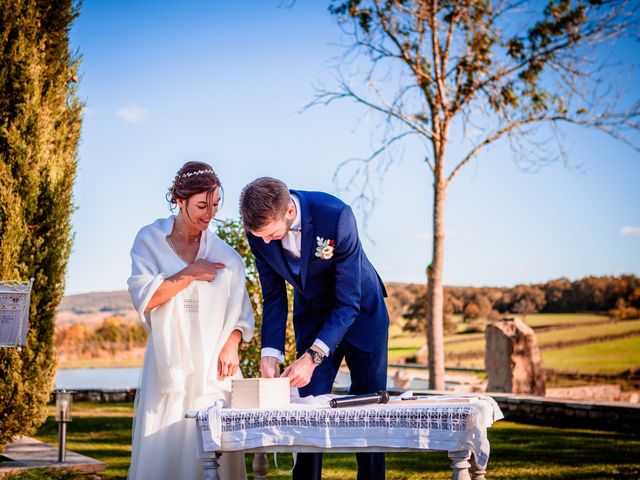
188,287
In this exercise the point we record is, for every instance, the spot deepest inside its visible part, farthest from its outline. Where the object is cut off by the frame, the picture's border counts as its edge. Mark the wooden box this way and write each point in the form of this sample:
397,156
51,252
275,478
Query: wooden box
260,393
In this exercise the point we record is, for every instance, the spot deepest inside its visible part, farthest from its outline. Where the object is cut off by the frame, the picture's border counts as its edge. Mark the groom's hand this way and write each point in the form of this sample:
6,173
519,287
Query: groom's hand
269,367
300,371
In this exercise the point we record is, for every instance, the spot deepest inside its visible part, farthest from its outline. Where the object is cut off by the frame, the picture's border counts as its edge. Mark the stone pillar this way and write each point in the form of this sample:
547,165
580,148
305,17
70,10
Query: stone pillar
512,358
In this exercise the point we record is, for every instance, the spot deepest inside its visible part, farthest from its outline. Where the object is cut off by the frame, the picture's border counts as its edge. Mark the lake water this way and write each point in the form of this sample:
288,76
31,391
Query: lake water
97,378
107,378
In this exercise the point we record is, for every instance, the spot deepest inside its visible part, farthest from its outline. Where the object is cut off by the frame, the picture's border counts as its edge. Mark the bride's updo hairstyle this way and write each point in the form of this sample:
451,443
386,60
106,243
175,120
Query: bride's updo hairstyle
191,179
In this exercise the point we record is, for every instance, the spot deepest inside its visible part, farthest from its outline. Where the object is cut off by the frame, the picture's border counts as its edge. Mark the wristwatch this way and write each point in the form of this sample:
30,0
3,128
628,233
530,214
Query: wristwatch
316,357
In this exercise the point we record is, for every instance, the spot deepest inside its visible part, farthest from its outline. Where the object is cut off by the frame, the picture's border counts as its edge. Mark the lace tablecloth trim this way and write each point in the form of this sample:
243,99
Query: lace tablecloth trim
454,418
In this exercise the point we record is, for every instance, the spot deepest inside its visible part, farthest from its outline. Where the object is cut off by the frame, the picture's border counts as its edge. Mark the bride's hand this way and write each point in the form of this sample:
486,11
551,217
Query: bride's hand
204,270
228,360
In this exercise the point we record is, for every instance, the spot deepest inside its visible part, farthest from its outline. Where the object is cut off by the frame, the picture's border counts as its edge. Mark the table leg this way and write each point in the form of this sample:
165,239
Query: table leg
460,464
477,472
210,467
260,466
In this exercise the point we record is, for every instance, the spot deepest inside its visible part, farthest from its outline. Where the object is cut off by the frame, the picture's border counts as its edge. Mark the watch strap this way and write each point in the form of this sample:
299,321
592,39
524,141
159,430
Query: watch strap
316,356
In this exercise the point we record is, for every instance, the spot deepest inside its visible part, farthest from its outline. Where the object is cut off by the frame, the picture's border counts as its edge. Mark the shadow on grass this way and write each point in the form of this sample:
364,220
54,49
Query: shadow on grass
545,452
44,474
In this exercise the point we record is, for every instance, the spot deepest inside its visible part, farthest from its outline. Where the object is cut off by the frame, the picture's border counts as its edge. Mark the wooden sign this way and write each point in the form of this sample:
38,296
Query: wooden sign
14,312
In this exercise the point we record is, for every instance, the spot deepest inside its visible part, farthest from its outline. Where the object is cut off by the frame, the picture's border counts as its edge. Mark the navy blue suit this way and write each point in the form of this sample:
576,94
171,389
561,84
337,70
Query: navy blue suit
339,300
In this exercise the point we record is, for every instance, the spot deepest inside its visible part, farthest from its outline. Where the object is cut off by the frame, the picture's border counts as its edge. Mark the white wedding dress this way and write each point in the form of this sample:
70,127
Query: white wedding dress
186,335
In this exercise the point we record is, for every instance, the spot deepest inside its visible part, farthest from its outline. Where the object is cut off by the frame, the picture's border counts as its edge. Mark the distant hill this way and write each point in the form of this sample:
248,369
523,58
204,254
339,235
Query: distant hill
618,296
84,303
120,301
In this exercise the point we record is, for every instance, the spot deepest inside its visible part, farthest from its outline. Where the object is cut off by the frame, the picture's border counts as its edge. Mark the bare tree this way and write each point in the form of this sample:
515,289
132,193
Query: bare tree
484,71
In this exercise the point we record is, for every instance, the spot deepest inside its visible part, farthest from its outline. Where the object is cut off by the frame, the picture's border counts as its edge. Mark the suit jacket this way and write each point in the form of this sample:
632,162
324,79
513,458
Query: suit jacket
338,298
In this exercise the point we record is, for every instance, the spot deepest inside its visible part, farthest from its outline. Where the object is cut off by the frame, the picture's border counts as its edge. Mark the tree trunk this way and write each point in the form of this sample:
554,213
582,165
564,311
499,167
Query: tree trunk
435,295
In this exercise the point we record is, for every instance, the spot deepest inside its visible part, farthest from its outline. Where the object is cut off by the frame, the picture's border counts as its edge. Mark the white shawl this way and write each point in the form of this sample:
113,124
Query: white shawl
223,305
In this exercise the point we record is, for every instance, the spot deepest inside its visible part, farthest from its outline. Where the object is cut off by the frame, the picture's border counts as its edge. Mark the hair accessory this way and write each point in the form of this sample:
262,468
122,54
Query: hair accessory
193,174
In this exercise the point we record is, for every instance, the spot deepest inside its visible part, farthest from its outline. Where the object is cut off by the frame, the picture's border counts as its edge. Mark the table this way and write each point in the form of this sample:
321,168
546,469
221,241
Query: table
455,424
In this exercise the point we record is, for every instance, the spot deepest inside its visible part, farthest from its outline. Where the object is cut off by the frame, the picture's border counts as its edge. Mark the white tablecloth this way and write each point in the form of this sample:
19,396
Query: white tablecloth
444,424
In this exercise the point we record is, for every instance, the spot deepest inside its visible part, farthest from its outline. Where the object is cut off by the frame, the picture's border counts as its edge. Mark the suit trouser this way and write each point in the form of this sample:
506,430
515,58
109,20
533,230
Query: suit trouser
368,375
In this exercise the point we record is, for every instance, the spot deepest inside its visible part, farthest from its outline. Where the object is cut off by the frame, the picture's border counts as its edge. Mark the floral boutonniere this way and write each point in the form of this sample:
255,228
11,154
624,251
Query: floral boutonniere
325,248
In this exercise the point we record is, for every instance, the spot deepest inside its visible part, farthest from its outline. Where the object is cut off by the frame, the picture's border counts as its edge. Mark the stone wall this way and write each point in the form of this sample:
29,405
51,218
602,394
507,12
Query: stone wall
594,393
107,395
617,417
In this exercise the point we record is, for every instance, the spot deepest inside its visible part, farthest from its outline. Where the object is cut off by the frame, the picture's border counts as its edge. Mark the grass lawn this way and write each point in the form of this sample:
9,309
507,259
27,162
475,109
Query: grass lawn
98,430
554,336
608,356
586,332
612,356
400,340
103,431
546,319
403,344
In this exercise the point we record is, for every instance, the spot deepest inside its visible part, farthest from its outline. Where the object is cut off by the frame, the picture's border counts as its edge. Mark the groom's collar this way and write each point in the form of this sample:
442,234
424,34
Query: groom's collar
305,212
297,222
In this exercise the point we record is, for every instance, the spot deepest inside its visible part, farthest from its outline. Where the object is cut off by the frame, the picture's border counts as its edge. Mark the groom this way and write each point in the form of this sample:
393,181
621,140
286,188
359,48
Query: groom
310,240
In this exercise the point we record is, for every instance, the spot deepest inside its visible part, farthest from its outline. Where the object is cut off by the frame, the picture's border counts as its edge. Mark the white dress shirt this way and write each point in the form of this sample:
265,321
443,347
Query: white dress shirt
292,243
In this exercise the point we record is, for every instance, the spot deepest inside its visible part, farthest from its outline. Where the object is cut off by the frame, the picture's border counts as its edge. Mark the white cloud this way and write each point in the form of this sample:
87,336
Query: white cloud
132,113
628,230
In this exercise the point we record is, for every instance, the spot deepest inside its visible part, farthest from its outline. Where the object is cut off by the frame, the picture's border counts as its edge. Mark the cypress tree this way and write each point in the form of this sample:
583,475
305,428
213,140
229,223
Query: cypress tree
40,119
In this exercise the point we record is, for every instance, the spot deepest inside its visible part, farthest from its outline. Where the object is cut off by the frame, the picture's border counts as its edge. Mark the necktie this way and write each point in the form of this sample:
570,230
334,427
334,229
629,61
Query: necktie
293,252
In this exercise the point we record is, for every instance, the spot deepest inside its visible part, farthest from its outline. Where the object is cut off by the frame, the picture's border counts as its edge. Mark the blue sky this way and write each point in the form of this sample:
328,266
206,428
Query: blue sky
224,82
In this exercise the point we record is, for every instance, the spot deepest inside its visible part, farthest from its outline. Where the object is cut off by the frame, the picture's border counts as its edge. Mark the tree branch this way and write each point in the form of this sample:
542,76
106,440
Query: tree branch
604,122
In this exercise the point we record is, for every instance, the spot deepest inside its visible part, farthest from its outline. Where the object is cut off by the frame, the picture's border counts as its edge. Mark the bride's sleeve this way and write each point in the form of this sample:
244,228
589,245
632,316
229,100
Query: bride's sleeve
245,321
145,275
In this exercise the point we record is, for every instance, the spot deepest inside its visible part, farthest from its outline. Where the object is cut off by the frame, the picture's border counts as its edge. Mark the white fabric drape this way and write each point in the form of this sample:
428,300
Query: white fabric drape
451,423
186,335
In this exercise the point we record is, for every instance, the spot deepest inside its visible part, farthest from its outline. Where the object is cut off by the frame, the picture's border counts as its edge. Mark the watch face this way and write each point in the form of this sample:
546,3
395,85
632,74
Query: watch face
317,357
